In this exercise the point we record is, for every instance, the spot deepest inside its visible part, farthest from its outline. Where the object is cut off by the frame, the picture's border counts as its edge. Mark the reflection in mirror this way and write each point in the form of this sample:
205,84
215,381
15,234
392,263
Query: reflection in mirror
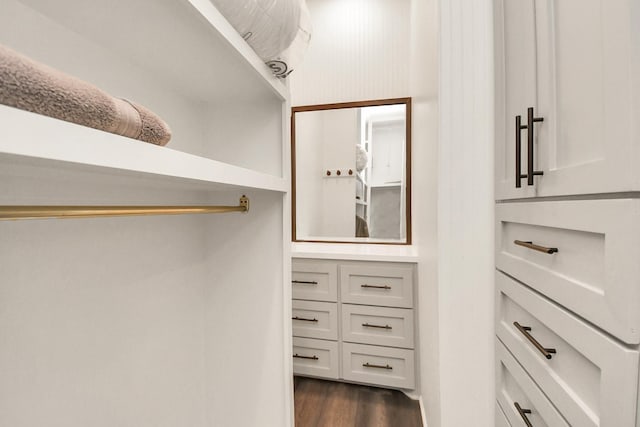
351,172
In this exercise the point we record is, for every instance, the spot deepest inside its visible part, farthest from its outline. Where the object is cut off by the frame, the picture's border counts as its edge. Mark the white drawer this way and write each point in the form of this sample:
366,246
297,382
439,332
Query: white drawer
314,280
317,358
595,272
377,284
501,418
591,379
385,366
517,394
314,319
377,325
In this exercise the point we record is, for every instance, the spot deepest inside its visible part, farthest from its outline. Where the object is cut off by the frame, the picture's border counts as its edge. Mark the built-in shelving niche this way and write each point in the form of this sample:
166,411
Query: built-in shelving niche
158,320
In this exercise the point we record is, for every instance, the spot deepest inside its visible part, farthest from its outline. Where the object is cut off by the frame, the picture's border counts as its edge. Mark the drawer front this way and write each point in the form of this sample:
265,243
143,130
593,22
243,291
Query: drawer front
377,325
590,378
314,280
519,396
392,367
595,271
314,319
501,418
375,284
316,358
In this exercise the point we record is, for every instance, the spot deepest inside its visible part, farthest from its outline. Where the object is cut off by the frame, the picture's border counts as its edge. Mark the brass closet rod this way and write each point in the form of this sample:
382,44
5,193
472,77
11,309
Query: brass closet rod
33,212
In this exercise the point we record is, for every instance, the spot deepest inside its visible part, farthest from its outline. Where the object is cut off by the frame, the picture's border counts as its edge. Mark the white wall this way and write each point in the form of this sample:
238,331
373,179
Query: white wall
424,168
341,134
325,205
308,169
101,329
359,50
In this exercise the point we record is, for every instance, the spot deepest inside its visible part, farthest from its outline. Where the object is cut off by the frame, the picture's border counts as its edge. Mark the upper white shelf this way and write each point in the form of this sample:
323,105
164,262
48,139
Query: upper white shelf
48,140
187,42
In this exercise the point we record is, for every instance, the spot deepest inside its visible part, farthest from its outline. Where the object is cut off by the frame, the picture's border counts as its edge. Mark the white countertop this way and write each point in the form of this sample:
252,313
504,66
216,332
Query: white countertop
355,251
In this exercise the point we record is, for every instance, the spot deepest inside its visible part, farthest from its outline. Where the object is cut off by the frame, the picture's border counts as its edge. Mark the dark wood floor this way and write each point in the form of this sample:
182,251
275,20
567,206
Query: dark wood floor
321,403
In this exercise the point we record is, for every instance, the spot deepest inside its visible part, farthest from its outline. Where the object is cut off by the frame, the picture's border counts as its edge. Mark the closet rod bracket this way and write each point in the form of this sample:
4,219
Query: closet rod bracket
244,201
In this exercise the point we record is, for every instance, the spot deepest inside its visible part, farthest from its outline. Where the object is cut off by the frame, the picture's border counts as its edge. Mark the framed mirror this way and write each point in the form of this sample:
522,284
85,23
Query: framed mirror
351,172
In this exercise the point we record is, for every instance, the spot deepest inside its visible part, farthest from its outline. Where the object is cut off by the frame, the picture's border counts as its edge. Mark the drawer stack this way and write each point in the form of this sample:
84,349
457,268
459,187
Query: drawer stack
354,321
567,187
568,312
315,319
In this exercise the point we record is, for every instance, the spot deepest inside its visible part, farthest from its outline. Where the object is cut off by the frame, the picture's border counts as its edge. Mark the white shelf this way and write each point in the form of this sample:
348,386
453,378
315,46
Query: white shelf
48,141
188,42
179,58
389,184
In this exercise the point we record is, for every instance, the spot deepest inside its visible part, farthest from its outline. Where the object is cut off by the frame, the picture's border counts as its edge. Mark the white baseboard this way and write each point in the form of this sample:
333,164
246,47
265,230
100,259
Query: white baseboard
424,418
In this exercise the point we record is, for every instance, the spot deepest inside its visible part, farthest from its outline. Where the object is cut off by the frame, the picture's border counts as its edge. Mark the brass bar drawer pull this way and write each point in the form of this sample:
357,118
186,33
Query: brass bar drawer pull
299,356
523,413
369,325
546,352
375,286
304,319
535,247
305,282
369,365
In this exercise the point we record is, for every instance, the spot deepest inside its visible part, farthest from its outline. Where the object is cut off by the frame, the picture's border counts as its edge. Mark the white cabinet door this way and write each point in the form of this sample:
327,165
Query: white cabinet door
586,87
575,62
515,68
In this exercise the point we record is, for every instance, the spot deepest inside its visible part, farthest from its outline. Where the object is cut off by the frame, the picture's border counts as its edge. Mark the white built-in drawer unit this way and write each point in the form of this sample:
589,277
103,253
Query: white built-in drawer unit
519,396
501,418
377,325
315,319
393,367
583,254
314,281
315,357
380,284
367,315
591,378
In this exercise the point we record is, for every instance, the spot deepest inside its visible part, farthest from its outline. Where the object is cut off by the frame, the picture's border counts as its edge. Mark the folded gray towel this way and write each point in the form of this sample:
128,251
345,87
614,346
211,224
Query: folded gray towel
35,87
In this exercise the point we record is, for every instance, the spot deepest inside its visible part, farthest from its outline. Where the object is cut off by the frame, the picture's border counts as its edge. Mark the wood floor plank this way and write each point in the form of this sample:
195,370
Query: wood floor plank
321,403
340,406
310,397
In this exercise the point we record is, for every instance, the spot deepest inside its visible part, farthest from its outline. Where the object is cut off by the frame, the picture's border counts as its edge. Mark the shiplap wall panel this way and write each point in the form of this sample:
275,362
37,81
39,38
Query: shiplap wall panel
359,49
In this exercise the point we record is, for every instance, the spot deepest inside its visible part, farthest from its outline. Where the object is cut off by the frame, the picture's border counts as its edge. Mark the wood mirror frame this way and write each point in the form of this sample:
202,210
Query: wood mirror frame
407,170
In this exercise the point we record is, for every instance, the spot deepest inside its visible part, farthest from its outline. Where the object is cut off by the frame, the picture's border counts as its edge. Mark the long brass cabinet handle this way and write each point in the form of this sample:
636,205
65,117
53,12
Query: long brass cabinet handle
304,319
375,286
519,128
369,325
523,413
531,119
304,282
370,365
546,352
531,245
300,356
